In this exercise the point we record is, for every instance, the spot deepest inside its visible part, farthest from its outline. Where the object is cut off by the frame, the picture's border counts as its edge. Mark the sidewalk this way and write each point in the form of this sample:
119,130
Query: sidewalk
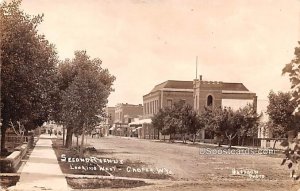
42,171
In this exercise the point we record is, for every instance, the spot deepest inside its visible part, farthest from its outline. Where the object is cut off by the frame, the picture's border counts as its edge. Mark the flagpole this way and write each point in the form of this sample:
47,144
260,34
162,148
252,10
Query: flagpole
196,67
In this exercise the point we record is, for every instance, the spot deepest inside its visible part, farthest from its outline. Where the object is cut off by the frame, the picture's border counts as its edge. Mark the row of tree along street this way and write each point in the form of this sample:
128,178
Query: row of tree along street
220,122
37,87
181,119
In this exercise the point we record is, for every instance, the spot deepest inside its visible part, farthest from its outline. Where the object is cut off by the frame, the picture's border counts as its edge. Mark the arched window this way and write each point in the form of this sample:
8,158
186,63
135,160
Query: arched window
209,100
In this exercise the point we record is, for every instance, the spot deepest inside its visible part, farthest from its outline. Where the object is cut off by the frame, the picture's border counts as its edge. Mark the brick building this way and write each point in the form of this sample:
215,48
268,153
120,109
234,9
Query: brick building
125,114
216,94
162,95
110,115
166,94
198,93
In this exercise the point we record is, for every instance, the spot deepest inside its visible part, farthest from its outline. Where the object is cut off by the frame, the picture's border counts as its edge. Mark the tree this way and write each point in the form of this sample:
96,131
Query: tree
293,70
230,123
180,118
280,110
171,123
207,117
85,95
214,120
248,120
180,112
158,120
292,145
27,70
195,123
227,122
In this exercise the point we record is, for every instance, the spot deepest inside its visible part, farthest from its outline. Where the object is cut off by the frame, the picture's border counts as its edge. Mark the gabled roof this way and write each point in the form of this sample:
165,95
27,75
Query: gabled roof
174,84
233,87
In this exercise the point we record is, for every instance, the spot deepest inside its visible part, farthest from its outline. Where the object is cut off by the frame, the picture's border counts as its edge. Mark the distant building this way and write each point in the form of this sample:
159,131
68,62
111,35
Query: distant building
166,94
161,96
125,114
110,115
108,121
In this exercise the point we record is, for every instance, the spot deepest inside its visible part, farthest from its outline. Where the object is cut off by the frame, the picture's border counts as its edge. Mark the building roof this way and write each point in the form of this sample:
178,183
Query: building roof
173,84
233,87
127,105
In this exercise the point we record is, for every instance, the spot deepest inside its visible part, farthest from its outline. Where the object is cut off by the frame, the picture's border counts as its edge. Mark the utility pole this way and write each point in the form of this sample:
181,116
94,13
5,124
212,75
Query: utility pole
196,67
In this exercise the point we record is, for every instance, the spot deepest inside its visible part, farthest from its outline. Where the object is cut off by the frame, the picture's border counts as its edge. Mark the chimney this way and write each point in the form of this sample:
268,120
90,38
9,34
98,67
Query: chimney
200,77
255,103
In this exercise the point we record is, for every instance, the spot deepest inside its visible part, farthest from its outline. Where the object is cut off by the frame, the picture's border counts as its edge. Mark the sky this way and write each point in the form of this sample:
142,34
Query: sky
146,42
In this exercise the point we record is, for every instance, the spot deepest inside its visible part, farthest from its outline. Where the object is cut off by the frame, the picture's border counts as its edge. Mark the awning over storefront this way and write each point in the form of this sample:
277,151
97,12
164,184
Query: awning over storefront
112,128
140,122
136,123
134,130
146,121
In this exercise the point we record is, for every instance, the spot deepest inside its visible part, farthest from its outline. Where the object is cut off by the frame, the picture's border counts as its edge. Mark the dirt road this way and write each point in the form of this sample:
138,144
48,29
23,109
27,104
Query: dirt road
193,170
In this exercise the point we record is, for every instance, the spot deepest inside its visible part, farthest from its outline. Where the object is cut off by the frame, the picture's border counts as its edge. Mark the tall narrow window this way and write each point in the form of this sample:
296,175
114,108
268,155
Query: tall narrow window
147,108
209,100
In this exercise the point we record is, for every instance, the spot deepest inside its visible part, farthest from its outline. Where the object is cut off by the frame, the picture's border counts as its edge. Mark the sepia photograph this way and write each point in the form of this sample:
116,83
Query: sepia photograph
150,95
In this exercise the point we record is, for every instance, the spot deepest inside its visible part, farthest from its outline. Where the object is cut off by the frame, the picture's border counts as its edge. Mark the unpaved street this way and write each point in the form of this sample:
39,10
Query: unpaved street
193,170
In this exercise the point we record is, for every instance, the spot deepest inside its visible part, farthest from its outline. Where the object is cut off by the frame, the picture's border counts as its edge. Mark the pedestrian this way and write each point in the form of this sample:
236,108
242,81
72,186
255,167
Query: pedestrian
50,132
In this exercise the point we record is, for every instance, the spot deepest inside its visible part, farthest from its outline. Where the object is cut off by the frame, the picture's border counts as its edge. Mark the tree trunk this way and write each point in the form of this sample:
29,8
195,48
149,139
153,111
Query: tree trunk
82,141
230,139
219,140
171,138
64,135
69,138
77,142
3,131
274,144
194,138
158,134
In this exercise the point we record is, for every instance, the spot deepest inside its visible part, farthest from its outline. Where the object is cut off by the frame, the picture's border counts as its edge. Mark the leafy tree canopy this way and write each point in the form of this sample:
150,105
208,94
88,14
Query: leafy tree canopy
84,88
280,110
28,69
293,71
